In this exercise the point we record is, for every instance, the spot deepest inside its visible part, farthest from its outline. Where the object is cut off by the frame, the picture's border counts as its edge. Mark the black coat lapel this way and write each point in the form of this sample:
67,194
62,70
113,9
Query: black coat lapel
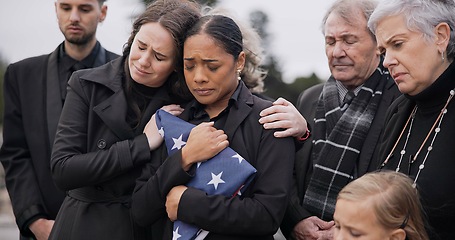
110,110
53,96
115,107
238,114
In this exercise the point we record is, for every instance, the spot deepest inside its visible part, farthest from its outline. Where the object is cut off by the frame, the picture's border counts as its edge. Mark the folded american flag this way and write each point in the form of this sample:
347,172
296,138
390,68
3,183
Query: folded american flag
224,174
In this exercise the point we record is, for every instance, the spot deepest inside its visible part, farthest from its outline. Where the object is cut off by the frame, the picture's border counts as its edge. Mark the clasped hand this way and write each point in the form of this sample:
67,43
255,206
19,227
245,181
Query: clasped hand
204,142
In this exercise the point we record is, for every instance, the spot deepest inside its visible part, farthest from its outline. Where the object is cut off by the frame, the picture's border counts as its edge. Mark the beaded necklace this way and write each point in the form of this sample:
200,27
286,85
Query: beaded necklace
436,128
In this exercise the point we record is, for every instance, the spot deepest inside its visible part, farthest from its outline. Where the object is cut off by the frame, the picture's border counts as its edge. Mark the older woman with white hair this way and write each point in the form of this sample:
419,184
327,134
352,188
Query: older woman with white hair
418,43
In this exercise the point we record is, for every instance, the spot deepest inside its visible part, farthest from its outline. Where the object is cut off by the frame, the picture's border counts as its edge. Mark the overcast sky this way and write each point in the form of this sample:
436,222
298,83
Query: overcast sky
29,28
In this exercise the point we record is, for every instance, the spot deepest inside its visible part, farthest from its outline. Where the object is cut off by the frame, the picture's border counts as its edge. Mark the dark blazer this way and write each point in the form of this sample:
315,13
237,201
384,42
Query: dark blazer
97,156
255,215
32,108
303,168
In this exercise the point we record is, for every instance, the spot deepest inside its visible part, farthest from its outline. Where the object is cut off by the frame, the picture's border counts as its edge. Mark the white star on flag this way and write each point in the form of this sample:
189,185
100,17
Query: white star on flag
238,157
178,143
161,132
216,179
236,171
176,234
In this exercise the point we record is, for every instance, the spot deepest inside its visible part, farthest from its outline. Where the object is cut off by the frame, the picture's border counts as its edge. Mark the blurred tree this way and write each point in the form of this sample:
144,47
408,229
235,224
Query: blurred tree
259,21
274,85
300,84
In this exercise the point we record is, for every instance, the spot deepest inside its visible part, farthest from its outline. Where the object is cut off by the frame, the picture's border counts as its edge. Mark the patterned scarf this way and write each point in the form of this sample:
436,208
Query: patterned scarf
338,139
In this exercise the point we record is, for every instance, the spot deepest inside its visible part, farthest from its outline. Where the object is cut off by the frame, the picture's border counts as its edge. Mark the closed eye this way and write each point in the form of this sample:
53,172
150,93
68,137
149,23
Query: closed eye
189,67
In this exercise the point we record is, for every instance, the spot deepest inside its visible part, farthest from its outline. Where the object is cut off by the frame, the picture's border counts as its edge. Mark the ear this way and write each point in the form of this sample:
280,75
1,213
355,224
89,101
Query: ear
103,13
378,52
442,32
398,234
241,60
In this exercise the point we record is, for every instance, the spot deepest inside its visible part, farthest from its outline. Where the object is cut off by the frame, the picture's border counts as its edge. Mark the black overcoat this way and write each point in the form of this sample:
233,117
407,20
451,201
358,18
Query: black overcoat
33,105
97,156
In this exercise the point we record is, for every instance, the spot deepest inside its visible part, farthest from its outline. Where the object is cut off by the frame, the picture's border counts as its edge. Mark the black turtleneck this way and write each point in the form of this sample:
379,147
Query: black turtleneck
437,179
141,96
436,94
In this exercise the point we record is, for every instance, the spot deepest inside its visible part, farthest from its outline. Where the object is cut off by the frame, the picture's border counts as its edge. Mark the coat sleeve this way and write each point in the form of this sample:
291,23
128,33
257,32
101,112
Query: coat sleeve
156,180
73,163
20,177
303,168
261,209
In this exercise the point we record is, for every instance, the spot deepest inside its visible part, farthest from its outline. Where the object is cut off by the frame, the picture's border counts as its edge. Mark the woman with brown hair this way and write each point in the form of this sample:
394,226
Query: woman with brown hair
102,144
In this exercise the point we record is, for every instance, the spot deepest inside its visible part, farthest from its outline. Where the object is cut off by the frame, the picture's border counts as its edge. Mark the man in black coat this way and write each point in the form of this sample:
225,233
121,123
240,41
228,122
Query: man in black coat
346,115
34,93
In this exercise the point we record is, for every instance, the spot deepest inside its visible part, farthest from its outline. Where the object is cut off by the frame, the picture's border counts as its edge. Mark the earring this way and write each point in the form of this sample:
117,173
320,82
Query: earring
442,56
238,74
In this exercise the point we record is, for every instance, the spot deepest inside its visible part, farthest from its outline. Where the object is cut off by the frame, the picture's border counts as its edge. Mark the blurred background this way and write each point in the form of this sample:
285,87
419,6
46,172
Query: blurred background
290,30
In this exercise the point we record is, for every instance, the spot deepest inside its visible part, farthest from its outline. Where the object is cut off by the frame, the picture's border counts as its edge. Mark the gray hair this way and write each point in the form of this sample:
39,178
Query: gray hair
420,15
345,9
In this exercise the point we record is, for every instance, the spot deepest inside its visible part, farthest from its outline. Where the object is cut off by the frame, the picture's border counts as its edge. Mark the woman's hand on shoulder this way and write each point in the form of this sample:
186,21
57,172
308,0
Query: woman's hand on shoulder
283,114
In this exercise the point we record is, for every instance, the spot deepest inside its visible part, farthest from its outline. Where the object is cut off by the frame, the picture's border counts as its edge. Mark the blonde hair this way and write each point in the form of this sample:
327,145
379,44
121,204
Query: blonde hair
252,74
396,203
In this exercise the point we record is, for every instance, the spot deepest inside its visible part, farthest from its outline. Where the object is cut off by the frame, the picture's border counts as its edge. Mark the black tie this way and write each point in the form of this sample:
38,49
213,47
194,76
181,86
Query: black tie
75,67
347,100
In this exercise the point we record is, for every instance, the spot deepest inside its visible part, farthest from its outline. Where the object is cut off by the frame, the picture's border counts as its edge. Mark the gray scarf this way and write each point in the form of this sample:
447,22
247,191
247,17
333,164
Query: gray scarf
338,139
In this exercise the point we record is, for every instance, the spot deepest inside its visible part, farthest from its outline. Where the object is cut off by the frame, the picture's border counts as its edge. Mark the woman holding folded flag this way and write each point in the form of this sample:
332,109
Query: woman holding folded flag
226,114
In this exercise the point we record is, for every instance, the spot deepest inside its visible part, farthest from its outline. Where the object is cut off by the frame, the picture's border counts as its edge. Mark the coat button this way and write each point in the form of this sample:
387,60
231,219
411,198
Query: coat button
101,144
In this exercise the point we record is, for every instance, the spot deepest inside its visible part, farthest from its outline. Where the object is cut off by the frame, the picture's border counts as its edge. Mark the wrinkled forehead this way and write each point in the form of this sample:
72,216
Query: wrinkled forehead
337,25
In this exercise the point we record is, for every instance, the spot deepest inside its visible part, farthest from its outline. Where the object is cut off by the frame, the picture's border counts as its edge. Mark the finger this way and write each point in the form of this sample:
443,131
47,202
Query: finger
329,225
222,145
172,107
280,109
278,124
283,134
220,138
281,101
268,111
204,126
323,225
207,124
218,132
175,112
277,116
